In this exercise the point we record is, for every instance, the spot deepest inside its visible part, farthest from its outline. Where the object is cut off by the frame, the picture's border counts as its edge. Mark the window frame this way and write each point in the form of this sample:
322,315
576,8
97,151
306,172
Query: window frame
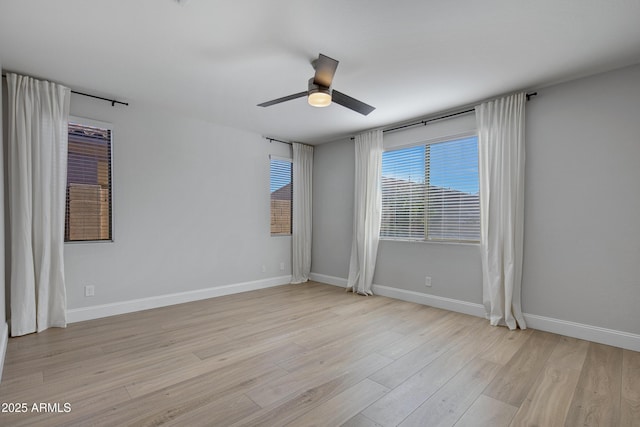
83,121
288,160
424,142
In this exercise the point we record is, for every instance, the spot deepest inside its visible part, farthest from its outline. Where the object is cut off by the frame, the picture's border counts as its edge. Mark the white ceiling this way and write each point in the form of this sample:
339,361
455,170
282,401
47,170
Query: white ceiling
216,60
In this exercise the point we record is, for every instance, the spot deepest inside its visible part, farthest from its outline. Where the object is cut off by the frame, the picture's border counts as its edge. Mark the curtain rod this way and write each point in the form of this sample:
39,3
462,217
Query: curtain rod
425,122
112,101
446,116
277,140
268,138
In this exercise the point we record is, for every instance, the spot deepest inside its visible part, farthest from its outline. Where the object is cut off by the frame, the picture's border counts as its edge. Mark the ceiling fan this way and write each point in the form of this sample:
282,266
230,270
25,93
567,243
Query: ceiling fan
320,93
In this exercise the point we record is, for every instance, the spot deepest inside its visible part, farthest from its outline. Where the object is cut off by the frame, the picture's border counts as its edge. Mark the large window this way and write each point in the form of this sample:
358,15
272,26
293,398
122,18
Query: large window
431,192
88,210
281,187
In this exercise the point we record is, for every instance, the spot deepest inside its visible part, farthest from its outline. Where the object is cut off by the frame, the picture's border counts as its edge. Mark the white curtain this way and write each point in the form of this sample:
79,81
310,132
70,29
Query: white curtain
501,160
302,187
366,211
37,165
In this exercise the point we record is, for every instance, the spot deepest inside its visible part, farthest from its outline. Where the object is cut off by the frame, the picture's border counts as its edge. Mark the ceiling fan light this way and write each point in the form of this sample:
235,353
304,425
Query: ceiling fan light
319,98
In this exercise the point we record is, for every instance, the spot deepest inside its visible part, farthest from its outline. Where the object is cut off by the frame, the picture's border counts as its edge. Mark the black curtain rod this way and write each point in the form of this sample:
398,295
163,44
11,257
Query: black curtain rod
425,122
112,101
277,140
446,116
268,138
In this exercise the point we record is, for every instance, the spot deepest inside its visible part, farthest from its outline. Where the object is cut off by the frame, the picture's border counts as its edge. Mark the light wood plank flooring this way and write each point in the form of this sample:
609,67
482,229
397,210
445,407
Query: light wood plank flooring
313,354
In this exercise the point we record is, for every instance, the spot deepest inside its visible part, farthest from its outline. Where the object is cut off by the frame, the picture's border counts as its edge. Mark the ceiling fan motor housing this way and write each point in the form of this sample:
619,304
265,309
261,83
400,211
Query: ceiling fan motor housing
318,96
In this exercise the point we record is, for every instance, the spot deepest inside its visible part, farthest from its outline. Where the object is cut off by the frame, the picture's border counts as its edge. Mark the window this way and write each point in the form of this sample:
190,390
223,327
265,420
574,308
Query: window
431,192
88,214
281,187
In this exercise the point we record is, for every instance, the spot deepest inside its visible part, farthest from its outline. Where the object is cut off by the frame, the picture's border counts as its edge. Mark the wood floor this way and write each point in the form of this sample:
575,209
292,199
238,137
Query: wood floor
314,355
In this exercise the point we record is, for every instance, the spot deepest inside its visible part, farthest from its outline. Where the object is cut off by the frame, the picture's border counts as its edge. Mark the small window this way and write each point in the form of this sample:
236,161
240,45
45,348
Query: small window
281,187
88,214
431,192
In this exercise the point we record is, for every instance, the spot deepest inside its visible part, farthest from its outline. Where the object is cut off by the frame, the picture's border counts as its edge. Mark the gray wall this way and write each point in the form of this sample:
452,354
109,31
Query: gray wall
190,205
582,236
582,240
333,178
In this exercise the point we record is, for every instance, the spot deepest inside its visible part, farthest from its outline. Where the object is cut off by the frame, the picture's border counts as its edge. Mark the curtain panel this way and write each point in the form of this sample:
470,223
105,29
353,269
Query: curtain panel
366,211
38,114
302,212
501,166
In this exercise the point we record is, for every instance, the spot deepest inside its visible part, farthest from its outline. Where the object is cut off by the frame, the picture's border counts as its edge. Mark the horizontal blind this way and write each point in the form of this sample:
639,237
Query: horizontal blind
88,204
452,192
430,192
403,194
281,188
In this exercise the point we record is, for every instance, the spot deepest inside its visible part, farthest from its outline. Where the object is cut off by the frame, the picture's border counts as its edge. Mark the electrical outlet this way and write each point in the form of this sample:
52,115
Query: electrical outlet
264,268
427,281
282,266
89,290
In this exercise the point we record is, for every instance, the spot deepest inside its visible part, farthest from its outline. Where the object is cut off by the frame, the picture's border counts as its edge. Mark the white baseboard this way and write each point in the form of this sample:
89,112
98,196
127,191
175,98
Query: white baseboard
430,300
329,280
4,339
586,332
105,310
597,334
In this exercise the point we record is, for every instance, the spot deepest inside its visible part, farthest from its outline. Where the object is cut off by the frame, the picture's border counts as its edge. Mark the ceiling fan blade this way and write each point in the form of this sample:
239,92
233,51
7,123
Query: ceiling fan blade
283,99
325,69
351,103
